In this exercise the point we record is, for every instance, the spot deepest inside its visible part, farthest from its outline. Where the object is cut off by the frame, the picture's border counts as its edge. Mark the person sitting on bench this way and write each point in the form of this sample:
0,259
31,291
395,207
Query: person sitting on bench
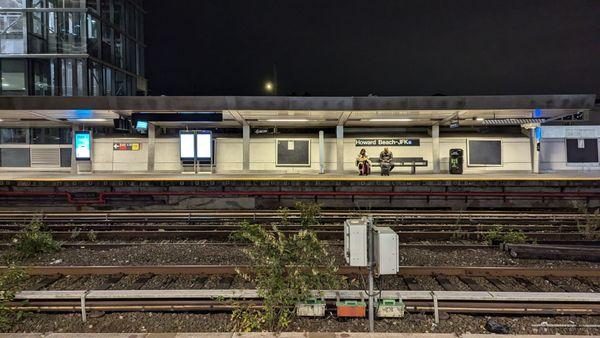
386,161
363,163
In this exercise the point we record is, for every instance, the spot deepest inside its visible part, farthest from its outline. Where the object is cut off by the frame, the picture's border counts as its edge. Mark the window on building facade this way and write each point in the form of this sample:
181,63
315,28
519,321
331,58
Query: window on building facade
12,77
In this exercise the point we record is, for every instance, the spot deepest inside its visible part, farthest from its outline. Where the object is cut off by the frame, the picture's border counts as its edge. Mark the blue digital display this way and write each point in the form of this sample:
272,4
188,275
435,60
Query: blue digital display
141,125
537,112
83,145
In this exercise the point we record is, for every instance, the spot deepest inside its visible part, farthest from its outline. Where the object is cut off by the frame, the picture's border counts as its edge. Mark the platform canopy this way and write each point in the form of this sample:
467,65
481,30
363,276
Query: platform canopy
296,112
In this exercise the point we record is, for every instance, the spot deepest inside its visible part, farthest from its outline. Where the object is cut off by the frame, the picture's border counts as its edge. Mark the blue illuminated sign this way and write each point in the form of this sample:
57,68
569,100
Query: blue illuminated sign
537,113
538,133
83,145
141,125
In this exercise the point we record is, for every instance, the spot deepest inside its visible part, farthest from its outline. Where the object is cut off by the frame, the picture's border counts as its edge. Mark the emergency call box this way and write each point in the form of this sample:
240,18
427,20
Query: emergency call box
355,241
387,257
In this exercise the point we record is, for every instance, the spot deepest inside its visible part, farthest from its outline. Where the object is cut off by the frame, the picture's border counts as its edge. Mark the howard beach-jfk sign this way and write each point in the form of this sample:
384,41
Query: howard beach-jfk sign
387,142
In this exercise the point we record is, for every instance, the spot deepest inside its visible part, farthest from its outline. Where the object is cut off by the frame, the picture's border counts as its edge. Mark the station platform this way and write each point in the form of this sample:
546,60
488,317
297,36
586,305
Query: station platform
274,176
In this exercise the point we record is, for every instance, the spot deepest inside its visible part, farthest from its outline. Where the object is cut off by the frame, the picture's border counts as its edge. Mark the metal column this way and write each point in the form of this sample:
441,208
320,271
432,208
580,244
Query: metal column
74,128
435,147
339,133
535,154
321,152
246,147
151,146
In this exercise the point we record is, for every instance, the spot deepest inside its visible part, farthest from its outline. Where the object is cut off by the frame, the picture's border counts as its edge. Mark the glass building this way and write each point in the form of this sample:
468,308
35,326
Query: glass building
72,48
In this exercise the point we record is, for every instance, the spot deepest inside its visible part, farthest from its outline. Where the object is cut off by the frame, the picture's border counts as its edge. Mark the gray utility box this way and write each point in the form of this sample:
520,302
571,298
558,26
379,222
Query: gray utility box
387,256
355,241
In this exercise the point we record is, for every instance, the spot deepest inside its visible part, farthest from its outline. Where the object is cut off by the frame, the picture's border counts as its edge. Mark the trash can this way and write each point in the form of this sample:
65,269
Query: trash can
456,161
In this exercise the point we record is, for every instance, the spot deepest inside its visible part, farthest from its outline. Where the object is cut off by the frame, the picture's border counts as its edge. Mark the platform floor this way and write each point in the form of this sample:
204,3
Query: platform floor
350,176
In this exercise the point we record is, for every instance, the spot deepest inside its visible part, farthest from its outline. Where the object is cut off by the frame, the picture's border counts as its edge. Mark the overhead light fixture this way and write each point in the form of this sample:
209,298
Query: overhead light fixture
1,120
287,120
89,120
480,119
391,120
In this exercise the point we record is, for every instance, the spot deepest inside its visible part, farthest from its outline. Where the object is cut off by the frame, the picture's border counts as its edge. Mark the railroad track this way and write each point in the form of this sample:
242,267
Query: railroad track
220,225
415,278
474,302
486,290
213,216
224,235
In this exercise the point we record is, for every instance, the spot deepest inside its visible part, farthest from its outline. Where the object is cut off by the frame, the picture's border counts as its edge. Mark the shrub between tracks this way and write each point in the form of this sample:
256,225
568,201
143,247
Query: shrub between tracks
284,270
33,241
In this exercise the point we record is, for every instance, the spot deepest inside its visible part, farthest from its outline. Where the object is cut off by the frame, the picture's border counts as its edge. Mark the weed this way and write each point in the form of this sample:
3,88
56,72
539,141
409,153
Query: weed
501,235
284,213
590,226
92,236
285,270
9,286
309,213
32,240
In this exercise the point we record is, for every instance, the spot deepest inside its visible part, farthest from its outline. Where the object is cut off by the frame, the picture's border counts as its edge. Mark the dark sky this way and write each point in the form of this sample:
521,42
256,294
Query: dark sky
383,47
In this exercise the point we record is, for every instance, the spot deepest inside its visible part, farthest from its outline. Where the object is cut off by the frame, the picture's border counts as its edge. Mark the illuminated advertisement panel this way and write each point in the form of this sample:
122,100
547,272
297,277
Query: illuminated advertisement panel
187,146
204,145
83,145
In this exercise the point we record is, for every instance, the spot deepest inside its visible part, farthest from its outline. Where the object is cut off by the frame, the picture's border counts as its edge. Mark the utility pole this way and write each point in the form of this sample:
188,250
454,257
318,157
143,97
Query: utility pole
371,259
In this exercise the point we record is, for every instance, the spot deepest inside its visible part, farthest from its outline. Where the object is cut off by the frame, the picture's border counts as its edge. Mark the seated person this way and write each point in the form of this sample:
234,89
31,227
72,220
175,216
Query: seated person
363,163
386,161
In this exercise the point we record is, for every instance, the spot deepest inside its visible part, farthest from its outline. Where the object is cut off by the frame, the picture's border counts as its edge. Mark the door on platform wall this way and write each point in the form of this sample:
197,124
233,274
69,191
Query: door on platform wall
35,148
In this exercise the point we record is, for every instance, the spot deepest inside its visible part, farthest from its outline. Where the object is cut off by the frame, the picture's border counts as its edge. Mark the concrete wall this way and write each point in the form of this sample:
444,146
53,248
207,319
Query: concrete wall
516,154
104,158
553,147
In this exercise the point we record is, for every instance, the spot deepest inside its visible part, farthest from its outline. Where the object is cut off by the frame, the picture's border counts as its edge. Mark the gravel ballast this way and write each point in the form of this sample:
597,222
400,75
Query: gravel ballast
205,253
220,322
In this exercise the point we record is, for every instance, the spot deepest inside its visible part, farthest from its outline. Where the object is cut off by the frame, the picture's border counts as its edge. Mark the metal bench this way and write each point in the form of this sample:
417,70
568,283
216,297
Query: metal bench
412,162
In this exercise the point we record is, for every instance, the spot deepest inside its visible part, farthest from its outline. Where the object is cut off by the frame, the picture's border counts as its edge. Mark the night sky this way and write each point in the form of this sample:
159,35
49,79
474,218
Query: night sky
381,47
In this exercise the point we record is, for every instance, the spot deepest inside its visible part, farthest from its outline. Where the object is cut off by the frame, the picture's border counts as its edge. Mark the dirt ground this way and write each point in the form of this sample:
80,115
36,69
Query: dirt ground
219,322
219,254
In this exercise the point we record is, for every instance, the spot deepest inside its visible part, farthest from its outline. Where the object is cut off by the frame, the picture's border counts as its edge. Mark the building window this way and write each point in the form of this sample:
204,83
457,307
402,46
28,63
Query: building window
12,39
93,36
50,136
13,135
94,79
12,77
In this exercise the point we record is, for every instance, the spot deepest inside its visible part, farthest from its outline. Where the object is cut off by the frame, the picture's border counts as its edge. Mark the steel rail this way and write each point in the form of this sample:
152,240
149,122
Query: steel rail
346,270
324,235
206,300
102,197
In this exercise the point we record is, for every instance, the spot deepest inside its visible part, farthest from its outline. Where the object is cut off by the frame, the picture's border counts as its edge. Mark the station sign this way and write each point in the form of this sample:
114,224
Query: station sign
391,142
127,146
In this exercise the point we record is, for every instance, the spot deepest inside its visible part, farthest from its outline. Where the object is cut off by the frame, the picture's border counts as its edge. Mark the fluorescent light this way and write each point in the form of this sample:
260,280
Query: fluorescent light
287,120
1,120
89,120
391,120
480,119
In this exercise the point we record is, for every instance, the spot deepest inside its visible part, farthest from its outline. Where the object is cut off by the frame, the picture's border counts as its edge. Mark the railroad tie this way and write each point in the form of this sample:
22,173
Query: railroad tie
412,283
561,284
111,280
141,280
471,283
527,284
445,283
497,282
199,282
47,281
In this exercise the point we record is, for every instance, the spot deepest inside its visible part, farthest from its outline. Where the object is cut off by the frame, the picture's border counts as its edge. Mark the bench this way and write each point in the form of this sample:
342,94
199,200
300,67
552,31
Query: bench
412,162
